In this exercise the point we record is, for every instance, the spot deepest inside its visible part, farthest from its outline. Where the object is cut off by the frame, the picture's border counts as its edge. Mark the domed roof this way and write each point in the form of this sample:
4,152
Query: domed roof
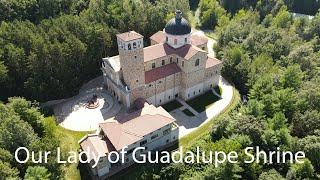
178,25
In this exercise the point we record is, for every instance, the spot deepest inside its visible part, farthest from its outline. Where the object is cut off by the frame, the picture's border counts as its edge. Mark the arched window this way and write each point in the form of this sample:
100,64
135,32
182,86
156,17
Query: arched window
129,46
197,62
167,39
185,40
175,41
134,45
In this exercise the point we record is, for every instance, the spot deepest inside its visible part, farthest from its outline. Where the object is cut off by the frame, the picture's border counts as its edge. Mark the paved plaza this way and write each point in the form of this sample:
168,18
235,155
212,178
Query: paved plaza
74,115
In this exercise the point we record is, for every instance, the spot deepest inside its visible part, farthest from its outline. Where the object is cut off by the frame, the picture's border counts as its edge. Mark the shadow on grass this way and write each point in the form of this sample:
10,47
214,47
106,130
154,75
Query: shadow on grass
200,103
170,106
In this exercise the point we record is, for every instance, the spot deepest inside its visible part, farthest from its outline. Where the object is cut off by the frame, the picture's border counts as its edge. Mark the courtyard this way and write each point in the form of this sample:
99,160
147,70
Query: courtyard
198,111
74,113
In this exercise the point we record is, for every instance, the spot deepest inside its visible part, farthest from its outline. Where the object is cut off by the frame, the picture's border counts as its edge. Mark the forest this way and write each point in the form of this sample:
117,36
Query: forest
48,49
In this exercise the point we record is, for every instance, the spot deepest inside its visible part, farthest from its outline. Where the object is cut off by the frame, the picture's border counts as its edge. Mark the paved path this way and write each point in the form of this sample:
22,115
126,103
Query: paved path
188,107
188,124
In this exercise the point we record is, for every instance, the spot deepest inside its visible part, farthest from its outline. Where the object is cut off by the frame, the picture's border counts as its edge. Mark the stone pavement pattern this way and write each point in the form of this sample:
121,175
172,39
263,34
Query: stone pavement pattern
73,115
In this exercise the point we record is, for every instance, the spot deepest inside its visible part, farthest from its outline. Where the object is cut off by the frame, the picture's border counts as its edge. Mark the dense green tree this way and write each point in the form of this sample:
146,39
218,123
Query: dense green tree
305,57
309,96
255,108
251,126
225,171
37,173
3,71
306,124
265,7
292,77
261,66
314,29
311,146
16,133
222,128
271,174
301,171
235,66
237,29
7,172
282,19
210,13
28,113
5,156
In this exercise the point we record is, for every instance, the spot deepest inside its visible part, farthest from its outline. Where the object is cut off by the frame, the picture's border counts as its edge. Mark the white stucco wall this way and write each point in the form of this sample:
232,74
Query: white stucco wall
164,96
181,40
193,91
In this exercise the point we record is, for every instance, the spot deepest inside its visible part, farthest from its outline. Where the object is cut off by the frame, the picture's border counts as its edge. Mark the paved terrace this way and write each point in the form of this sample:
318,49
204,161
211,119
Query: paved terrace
72,114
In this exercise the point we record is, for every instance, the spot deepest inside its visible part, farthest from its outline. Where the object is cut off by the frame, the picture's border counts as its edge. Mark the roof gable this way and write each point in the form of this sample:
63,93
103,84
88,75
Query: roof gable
161,72
161,50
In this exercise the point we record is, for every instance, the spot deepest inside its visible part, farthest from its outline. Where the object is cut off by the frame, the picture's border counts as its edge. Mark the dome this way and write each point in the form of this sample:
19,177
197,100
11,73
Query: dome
178,25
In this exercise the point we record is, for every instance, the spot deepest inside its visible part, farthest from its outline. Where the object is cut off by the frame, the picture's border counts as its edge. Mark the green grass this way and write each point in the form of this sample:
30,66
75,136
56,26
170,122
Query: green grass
203,101
170,106
188,112
137,170
68,142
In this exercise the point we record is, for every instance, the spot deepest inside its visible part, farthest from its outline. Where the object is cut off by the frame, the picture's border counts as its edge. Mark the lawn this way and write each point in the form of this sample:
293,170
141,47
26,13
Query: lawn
188,112
68,142
170,106
203,101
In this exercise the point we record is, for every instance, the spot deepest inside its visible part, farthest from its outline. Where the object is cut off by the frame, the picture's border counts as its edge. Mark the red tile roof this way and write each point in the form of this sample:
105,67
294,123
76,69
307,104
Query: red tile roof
161,72
129,36
131,131
159,37
196,40
161,50
95,146
212,61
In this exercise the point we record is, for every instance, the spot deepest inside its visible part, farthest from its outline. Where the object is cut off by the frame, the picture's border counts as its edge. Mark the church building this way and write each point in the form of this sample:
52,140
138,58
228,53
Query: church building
176,65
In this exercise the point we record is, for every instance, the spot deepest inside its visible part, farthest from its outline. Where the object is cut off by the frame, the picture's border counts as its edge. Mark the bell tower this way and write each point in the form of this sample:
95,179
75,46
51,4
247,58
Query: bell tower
130,46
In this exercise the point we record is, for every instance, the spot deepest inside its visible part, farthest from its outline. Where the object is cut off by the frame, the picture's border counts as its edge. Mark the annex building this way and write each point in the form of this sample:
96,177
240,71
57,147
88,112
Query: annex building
176,65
